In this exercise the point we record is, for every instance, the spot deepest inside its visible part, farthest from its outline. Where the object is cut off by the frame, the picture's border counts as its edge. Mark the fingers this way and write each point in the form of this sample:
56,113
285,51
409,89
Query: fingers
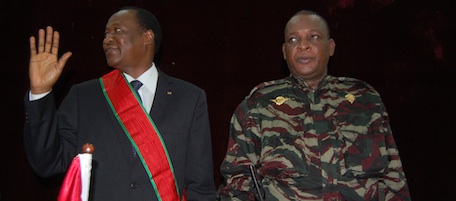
64,59
55,43
48,45
40,40
48,41
32,46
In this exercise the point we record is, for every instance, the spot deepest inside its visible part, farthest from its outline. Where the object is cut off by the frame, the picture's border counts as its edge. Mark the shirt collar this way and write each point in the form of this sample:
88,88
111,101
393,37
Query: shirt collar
304,84
148,78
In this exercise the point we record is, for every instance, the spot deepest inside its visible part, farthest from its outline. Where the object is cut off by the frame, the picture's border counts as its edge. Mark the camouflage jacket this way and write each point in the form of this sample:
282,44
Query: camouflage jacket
333,143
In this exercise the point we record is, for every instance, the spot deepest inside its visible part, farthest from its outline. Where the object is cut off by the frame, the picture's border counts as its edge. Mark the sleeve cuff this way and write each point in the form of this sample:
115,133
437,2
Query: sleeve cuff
34,97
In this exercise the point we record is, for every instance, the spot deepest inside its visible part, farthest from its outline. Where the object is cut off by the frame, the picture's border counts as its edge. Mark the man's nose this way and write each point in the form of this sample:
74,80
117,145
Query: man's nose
107,39
304,45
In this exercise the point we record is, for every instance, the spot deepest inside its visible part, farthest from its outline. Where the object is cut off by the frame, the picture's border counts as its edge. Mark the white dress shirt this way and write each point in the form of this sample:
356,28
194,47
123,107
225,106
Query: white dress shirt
147,90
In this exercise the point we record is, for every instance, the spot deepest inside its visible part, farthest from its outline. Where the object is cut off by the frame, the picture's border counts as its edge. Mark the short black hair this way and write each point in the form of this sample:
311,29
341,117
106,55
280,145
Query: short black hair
309,12
147,21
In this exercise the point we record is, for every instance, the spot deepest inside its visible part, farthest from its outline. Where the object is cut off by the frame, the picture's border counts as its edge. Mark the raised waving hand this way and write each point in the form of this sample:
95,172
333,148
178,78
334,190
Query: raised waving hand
45,68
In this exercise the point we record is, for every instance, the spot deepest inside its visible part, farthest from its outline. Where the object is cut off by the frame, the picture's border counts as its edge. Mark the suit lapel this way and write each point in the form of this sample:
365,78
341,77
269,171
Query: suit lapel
163,96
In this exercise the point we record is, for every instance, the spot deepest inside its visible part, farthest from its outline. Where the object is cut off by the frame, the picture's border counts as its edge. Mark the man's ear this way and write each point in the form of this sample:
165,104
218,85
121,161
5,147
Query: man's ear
149,37
332,47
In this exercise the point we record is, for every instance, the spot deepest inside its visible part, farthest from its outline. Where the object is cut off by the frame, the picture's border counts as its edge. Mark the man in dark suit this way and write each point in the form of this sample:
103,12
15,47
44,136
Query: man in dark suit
164,156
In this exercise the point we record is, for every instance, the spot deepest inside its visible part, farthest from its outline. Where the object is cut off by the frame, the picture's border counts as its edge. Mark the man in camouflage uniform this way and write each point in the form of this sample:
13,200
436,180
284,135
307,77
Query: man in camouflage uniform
312,136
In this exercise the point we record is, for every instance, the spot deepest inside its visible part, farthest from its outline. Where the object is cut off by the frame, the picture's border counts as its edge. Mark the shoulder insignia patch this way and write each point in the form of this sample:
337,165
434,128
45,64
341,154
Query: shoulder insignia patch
279,100
350,98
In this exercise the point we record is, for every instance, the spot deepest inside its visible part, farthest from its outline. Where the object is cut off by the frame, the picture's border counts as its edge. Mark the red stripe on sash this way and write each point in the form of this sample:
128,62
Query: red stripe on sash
141,130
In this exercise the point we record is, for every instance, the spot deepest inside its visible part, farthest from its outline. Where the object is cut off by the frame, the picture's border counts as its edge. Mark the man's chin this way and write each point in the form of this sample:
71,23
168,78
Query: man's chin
111,63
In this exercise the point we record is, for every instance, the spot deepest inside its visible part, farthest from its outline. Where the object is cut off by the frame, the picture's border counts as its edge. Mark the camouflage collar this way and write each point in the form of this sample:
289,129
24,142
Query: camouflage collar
303,84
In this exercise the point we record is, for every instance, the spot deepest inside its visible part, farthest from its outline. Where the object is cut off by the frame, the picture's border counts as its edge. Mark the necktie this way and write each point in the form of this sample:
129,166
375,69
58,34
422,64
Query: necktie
136,84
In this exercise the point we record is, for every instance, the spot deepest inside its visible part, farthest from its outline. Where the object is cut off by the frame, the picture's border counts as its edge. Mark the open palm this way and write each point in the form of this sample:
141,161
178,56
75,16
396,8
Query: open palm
45,68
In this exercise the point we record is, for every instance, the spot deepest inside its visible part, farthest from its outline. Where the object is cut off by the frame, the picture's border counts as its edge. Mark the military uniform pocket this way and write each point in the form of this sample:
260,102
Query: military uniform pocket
364,152
283,154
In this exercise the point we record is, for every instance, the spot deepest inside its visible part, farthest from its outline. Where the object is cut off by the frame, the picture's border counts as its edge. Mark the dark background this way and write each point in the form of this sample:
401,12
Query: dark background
404,48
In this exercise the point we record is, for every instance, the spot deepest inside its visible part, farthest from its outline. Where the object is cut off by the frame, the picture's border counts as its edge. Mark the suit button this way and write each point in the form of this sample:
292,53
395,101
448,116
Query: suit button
133,185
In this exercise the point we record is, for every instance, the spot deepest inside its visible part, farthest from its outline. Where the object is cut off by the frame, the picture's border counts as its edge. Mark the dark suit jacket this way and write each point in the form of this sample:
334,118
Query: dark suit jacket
53,137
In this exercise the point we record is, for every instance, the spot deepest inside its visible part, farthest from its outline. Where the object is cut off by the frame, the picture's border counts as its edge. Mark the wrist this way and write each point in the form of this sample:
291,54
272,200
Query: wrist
40,90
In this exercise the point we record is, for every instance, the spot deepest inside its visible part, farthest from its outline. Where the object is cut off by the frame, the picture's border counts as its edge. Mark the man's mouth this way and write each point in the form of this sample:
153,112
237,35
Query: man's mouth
110,50
304,60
